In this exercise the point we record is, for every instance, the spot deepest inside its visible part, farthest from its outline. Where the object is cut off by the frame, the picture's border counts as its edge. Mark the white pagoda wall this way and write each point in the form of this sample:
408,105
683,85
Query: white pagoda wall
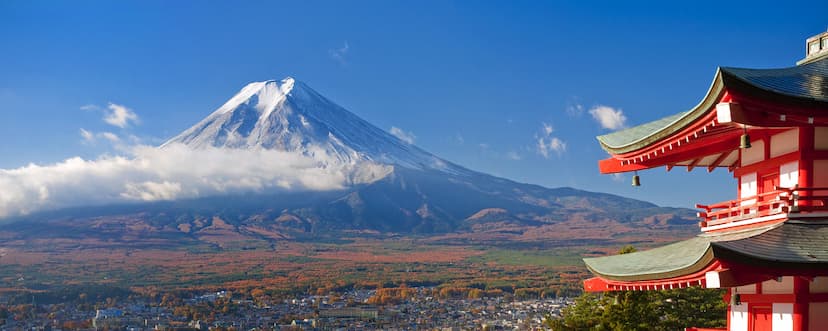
821,138
784,143
753,154
747,289
821,173
748,188
820,169
778,145
818,316
782,313
782,317
789,174
819,285
818,311
775,287
739,317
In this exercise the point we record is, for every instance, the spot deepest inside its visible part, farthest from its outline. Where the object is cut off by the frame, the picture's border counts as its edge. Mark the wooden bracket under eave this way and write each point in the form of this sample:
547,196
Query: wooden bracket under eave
730,112
614,166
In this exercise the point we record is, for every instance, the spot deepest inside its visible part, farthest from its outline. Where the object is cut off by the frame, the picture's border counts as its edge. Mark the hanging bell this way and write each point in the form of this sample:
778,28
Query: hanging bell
745,141
735,299
636,181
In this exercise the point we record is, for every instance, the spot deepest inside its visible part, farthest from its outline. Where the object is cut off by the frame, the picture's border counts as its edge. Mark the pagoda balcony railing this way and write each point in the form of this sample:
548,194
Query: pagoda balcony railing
779,201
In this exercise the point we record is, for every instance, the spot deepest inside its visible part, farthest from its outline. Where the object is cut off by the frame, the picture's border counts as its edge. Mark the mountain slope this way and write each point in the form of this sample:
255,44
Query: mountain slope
423,193
419,192
288,115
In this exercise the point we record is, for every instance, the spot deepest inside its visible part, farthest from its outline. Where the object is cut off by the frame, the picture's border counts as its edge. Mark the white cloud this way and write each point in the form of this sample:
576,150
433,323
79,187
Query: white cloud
119,115
512,155
550,144
113,138
136,140
545,143
87,136
151,191
608,117
407,137
91,137
339,54
174,172
90,107
574,108
547,129
459,139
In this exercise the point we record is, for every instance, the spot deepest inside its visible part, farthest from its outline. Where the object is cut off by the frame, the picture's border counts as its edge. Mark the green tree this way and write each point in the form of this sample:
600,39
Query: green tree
643,310
627,249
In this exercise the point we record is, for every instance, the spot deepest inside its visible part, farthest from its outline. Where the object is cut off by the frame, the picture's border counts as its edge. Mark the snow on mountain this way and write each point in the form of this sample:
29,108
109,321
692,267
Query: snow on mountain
288,115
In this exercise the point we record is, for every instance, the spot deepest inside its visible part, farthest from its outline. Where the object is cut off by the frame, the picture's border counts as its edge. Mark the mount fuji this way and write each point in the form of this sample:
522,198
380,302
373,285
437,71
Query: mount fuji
417,192
389,201
288,115
391,187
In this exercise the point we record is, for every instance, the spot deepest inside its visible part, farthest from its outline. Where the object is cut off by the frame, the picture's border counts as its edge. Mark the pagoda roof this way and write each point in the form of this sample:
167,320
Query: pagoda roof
804,86
797,243
670,261
794,244
806,82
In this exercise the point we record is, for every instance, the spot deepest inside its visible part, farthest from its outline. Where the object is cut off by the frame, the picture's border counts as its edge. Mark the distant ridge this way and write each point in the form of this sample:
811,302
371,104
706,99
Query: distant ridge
418,192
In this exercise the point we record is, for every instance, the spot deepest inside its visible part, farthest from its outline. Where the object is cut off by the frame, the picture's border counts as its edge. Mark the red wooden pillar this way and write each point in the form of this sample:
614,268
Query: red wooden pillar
729,308
806,160
800,307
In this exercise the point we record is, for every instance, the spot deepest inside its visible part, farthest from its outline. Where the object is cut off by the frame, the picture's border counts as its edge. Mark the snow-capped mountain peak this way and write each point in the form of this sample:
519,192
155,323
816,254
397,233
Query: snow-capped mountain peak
267,95
288,115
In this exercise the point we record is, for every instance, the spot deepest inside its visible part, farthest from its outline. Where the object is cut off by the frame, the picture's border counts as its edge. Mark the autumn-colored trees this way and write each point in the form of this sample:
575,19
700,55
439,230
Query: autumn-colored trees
384,296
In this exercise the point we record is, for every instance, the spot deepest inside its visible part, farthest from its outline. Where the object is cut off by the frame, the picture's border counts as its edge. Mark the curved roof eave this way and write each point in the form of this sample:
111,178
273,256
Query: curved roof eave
669,261
674,260
638,137
796,242
803,86
806,83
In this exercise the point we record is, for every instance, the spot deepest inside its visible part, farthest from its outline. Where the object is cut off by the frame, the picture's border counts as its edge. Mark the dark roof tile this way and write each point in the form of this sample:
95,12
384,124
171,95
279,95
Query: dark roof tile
790,244
807,83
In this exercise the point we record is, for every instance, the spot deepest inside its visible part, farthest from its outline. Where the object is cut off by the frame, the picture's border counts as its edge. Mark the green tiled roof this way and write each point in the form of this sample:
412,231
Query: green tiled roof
621,138
640,136
678,259
805,83
797,242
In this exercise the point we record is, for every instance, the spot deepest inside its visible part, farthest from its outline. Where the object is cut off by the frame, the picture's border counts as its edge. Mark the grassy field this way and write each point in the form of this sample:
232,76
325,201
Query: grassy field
299,266
545,258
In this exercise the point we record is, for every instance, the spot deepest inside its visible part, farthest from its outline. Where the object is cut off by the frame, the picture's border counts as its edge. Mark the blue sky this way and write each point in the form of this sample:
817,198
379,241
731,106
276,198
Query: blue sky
477,83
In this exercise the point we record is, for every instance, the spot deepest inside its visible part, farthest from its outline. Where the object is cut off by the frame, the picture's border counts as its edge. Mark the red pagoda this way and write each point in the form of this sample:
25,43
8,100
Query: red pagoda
768,247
